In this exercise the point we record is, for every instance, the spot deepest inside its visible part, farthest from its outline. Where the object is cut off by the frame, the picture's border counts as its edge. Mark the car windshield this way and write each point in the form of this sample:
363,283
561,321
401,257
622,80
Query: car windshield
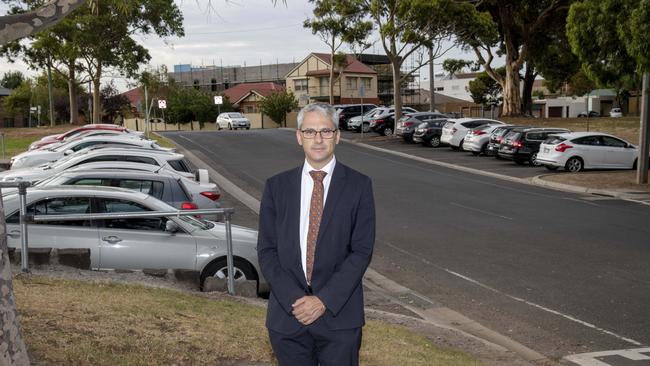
235,115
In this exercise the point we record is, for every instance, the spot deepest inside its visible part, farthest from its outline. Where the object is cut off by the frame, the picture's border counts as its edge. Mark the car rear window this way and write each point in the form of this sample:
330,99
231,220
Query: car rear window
513,135
553,140
179,165
537,135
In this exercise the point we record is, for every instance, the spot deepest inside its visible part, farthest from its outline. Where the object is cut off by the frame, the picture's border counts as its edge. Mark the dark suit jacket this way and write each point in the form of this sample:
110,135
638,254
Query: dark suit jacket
343,249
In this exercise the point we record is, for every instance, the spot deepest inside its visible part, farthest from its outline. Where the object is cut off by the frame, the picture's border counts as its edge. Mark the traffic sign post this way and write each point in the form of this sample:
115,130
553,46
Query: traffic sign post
218,100
162,104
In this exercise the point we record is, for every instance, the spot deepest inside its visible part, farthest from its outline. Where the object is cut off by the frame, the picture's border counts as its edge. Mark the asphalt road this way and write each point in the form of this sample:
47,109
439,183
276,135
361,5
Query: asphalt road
558,272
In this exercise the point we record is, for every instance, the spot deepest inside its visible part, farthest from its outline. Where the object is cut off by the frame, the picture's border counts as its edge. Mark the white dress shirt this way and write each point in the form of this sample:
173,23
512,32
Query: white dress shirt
306,188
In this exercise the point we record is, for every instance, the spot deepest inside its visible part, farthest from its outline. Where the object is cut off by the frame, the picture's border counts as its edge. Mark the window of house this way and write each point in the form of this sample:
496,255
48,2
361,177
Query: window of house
300,84
213,85
440,88
196,84
353,83
249,109
325,81
366,83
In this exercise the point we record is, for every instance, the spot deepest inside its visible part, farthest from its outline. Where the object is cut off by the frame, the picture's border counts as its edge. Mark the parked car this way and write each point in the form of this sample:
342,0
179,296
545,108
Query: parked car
233,121
616,113
497,137
587,150
347,111
476,141
75,131
158,158
522,144
590,114
41,156
173,242
406,125
354,123
428,133
453,133
384,123
180,192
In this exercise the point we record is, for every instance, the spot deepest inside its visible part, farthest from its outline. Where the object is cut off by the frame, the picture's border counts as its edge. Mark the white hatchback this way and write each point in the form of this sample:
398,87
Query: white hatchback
576,151
233,121
476,140
454,131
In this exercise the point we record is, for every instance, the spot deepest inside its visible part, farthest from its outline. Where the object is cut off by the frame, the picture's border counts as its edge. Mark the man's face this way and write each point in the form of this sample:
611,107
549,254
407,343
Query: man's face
318,151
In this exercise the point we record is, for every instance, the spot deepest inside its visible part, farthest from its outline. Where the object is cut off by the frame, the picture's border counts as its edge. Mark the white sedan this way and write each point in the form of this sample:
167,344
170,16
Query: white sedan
37,157
233,121
174,242
576,151
454,131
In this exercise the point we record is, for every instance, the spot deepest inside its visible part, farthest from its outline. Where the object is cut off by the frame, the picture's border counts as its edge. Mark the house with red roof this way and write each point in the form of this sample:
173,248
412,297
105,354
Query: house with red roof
246,96
354,81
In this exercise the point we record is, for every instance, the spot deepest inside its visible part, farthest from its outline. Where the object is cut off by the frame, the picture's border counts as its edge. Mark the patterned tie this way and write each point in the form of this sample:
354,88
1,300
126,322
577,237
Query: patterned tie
315,214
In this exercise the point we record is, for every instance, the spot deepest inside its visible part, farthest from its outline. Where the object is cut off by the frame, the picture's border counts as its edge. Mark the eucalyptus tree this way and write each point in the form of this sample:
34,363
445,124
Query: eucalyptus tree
338,22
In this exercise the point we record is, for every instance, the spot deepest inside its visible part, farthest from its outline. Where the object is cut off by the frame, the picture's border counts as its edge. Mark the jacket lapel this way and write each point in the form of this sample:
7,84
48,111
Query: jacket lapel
294,223
337,185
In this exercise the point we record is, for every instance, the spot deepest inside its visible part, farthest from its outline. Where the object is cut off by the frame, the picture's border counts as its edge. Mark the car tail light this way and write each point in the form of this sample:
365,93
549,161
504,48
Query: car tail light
406,124
211,195
478,132
499,140
516,143
379,121
189,206
563,147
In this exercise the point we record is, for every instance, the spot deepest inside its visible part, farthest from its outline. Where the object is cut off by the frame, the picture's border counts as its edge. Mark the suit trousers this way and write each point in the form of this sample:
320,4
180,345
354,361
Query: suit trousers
315,345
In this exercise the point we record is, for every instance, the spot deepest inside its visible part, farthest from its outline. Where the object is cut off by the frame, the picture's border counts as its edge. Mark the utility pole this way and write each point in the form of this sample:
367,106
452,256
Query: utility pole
644,133
146,109
432,99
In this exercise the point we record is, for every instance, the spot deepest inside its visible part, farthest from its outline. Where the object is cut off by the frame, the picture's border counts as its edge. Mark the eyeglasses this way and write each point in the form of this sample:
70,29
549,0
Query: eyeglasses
325,133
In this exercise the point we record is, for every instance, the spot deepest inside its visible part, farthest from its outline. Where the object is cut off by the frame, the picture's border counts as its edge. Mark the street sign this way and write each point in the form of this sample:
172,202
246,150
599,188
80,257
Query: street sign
218,99
162,104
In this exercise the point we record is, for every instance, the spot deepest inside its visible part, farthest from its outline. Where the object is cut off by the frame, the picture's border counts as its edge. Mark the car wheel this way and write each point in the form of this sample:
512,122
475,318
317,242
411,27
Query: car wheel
387,131
574,164
533,160
634,164
229,126
484,149
248,128
219,268
218,127
366,127
435,141
460,146
476,153
551,167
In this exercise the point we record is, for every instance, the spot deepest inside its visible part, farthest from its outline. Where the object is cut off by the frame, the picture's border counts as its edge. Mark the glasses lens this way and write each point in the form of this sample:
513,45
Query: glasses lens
327,134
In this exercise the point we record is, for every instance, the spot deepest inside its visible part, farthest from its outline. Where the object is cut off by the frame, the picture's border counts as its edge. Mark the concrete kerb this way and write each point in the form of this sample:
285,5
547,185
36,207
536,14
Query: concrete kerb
432,314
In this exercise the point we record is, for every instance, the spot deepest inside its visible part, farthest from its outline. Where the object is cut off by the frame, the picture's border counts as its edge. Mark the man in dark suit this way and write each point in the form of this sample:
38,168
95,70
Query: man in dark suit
316,236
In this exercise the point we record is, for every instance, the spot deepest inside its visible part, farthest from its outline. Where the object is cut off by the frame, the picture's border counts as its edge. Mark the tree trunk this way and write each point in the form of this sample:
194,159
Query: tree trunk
511,88
97,105
529,80
397,92
13,27
72,91
12,347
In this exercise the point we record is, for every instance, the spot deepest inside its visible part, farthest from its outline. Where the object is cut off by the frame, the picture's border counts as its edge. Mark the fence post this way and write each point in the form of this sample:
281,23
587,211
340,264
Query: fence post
229,258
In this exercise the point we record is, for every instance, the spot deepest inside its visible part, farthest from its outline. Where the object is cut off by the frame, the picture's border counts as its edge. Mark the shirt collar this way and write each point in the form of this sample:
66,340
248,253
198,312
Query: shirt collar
328,168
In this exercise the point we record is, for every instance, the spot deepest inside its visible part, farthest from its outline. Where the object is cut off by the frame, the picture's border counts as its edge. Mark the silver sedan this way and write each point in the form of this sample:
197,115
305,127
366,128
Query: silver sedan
173,242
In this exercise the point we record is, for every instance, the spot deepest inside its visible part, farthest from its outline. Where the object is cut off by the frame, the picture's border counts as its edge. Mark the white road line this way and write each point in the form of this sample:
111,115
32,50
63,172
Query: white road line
518,299
590,359
479,210
566,316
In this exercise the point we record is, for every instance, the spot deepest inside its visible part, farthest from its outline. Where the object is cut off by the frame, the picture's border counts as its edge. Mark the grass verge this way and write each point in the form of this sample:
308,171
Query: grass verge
104,323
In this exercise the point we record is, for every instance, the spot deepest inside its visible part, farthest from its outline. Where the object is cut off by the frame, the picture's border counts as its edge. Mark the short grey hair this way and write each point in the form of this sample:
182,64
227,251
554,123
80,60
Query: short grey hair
323,108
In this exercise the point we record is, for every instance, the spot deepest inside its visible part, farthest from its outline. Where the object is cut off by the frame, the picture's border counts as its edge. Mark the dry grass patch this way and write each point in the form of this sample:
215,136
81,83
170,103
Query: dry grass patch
624,179
104,323
17,140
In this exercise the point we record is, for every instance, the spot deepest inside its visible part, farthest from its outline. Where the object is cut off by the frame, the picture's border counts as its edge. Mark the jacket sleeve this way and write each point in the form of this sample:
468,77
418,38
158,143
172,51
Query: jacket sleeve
283,284
343,282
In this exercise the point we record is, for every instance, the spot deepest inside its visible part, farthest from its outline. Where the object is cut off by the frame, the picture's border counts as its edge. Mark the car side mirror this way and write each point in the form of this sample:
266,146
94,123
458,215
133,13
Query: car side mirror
171,226
68,152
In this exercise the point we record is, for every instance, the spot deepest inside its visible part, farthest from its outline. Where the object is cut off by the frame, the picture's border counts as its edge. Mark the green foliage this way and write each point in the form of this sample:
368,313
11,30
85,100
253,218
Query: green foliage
12,79
277,105
454,66
18,101
539,94
484,90
113,103
185,105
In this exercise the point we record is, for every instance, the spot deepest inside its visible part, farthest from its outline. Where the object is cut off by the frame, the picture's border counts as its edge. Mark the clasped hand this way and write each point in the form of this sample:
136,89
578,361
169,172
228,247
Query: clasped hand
307,309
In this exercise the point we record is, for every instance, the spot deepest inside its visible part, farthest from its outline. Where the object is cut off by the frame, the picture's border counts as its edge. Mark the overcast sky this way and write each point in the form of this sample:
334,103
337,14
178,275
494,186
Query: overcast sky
235,32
